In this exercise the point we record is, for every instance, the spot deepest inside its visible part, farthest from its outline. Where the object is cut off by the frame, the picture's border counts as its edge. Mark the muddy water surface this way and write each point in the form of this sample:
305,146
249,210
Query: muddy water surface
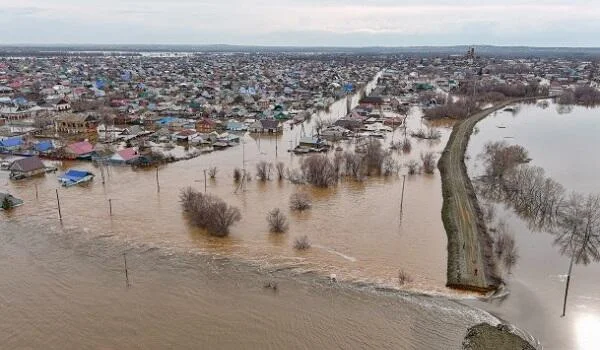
563,142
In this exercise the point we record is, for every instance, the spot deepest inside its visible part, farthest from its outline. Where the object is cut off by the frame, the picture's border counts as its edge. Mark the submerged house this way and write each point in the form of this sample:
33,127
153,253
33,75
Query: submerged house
26,167
79,150
127,155
11,144
268,126
44,147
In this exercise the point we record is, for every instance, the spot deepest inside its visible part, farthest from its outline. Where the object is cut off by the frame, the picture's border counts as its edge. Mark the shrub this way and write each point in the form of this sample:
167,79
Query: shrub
280,167
263,170
300,201
413,167
237,174
319,170
6,204
212,172
428,160
406,146
209,212
403,277
302,243
277,221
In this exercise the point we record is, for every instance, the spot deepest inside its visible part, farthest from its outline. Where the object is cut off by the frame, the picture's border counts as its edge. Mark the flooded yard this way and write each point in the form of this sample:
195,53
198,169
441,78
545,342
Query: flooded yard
562,141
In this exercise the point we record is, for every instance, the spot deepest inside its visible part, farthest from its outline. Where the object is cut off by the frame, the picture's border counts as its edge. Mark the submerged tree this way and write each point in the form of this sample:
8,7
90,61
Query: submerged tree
6,203
277,221
579,233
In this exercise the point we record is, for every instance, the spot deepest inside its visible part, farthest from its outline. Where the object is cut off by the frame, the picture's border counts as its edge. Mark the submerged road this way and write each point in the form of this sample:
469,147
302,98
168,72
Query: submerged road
471,263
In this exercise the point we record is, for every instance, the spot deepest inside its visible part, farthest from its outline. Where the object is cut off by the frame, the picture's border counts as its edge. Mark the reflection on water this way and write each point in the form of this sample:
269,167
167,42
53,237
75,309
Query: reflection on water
557,143
587,326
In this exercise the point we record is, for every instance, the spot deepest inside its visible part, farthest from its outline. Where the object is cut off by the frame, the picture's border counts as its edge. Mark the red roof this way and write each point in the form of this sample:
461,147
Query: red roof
81,148
128,154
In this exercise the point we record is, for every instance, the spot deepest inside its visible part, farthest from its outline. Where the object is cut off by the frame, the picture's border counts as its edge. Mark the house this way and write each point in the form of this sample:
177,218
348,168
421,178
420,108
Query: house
234,125
314,142
26,167
371,101
62,105
44,147
70,123
11,144
268,126
205,125
126,155
79,150
186,135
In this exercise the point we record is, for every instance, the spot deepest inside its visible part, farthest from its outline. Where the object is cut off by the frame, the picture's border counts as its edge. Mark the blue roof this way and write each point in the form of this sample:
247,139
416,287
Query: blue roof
75,175
166,120
11,142
44,146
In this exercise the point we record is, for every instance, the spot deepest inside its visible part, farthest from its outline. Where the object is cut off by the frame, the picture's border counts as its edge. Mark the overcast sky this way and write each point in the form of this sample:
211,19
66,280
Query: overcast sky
302,22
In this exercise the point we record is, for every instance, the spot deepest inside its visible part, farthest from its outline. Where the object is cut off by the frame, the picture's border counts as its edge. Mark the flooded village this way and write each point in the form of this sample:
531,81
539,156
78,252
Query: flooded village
331,185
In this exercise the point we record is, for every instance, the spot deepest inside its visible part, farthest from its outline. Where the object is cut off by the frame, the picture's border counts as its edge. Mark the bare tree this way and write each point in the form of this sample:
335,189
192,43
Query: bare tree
208,211
579,233
413,167
353,165
300,201
390,166
237,174
280,167
263,170
406,146
277,221
428,162
500,157
212,172
319,170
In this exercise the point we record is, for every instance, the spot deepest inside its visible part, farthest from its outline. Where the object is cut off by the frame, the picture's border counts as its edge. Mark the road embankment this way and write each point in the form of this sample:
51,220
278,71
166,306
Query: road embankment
471,264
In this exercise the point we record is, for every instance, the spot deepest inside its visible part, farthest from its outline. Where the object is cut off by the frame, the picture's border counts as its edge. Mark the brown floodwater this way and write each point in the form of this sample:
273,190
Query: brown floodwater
62,284
356,228
563,141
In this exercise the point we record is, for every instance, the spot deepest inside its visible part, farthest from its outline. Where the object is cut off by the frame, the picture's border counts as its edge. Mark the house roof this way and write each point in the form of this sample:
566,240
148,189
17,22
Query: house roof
11,142
81,148
44,146
27,164
128,154
269,123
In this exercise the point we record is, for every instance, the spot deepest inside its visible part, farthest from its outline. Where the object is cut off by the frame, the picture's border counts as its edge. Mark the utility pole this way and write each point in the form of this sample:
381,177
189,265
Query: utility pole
204,180
36,192
157,181
110,206
102,173
402,197
58,202
126,272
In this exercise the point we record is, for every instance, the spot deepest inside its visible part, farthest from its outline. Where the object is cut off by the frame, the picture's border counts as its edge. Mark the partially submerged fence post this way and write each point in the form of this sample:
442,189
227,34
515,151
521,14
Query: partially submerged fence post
58,202
402,197
126,272
110,206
